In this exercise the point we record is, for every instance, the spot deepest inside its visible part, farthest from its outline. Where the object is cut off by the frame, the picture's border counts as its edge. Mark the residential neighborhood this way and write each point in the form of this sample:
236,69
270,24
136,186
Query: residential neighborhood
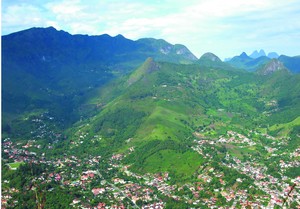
110,183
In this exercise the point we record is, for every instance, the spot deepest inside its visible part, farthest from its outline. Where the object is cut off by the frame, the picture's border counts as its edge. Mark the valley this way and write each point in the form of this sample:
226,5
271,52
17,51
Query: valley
231,170
145,124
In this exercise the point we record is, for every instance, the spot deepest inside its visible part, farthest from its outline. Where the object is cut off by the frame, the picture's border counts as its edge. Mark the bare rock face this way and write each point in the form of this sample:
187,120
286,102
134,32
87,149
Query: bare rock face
273,66
150,65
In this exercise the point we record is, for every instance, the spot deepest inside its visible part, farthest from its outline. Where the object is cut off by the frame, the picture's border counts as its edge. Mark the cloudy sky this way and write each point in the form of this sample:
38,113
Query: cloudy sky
224,27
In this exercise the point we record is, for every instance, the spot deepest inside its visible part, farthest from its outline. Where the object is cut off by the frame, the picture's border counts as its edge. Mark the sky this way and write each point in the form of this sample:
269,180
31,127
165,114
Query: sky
223,27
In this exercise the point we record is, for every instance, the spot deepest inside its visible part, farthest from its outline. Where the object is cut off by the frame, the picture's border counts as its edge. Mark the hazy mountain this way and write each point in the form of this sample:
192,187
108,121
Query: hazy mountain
273,55
227,59
257,54
292,63
241,58
243,61
262,53
250,63
244,55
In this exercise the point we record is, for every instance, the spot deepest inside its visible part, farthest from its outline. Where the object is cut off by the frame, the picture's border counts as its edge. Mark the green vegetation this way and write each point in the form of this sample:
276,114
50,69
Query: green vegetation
14,166
181,165
286,128
204,131
167,102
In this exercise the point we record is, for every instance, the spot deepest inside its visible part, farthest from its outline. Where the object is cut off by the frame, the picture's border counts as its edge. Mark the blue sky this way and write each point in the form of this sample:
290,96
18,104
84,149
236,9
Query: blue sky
224,27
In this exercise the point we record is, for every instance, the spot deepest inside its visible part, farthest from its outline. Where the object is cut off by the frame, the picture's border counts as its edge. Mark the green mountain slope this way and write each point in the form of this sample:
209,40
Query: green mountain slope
162,105
100,121
43,68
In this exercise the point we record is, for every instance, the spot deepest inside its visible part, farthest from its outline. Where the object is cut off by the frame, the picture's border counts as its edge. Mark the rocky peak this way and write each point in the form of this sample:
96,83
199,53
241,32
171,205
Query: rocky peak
244,55
184,51
211,57
257,54
273,66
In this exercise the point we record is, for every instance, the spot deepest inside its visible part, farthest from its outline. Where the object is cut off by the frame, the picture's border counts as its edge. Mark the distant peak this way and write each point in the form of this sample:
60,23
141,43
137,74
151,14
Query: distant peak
257,54
210,56
244,55
119,36
273,55
51,28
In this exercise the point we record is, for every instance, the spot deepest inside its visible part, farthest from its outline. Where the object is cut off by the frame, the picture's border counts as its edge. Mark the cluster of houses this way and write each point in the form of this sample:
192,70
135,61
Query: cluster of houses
275,187
234,137
7,195
70,172
17,152
44,128
67,175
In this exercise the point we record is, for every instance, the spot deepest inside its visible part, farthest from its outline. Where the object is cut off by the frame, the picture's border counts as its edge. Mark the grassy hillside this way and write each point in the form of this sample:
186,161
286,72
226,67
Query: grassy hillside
160,106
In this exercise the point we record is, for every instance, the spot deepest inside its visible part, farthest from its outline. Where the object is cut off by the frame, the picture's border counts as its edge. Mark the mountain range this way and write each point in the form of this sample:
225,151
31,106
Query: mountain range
258,59
63,66
56,66
149,119
262,53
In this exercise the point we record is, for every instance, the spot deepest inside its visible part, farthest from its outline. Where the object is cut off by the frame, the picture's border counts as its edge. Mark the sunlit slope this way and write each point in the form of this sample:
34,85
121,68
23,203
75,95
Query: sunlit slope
158,108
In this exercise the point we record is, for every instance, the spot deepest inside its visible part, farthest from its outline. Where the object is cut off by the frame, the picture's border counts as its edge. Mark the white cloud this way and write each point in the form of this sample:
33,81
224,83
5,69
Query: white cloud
66,8
18,17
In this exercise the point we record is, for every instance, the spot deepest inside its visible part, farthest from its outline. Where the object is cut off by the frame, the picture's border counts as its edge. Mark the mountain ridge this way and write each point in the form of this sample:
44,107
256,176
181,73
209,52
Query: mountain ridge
56,60
82,126
258,59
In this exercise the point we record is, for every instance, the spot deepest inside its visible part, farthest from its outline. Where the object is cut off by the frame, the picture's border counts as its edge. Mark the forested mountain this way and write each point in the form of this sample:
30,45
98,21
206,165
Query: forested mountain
43,68
96,121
